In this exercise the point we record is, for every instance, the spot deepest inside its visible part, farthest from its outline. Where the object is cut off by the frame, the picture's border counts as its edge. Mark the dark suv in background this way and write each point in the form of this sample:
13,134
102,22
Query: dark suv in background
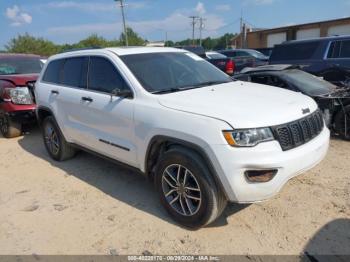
18,73
327,57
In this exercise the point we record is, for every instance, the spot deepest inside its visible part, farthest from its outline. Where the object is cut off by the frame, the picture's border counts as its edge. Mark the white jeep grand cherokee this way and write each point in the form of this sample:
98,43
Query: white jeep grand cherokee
203,138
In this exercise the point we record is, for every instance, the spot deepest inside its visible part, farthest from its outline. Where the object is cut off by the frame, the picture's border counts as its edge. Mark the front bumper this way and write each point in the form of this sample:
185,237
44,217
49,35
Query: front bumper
19,113
231,164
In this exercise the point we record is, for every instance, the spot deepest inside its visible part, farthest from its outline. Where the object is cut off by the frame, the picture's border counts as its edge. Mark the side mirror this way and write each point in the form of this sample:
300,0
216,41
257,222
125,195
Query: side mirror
122,93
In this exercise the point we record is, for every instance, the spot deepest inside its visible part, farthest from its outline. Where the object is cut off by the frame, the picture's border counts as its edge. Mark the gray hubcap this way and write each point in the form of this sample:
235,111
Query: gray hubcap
51,140
181,190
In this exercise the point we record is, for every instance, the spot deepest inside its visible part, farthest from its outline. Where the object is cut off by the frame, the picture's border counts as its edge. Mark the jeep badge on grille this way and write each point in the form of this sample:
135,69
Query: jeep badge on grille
305,110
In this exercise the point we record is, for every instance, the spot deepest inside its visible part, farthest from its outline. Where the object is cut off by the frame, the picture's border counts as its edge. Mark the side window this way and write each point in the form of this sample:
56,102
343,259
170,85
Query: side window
229,54
334,49
75,72
53,72
241,53
345,49
294,51
103,76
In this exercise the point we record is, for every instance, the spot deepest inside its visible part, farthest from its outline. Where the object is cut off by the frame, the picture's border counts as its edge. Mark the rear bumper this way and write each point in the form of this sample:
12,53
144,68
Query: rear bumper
234,162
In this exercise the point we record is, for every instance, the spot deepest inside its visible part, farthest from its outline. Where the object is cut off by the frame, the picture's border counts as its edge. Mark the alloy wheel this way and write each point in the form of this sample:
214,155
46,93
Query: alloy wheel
181,190
51,140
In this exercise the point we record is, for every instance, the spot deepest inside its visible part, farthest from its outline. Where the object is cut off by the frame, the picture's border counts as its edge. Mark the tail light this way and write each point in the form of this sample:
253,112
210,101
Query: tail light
230,67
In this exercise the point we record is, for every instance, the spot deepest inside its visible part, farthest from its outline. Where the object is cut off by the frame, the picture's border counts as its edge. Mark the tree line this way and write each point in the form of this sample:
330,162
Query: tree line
37,45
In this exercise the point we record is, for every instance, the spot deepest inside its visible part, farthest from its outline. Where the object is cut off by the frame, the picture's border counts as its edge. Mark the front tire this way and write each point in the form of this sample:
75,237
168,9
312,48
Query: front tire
342,123
186,188
55,144
9,128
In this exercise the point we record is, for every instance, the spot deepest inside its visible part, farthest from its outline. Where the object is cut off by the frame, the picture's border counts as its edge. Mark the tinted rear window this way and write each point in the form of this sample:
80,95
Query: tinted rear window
53,71
297,51
75,72
345,49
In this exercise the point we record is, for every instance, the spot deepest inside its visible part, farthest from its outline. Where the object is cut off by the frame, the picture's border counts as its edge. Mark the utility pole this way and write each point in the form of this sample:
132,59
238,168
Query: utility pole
241,28
194,18
124,25
201,26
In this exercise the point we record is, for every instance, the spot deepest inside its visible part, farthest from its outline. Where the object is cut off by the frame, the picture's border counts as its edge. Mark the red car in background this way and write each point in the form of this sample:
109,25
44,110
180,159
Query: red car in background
18,73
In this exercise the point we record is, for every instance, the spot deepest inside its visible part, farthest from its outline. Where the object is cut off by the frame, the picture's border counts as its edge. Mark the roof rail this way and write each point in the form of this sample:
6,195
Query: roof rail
80,49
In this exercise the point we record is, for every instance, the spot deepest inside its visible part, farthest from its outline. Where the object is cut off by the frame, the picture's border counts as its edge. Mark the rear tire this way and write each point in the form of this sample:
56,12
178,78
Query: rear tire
55,144
340,123
186,188
9,128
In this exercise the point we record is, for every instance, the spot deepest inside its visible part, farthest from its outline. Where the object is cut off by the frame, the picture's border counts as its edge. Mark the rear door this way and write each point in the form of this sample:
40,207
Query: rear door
67,94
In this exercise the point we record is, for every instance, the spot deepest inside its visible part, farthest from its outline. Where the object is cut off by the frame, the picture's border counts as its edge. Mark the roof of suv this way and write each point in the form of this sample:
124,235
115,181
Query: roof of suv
319,39
124,50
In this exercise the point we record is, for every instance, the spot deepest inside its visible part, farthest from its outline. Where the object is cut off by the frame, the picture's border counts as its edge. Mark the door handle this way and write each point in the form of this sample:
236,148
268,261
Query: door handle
55,92
88,99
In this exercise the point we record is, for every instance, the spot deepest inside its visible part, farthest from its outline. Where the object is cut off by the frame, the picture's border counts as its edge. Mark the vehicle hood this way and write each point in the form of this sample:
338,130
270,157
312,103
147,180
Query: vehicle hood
20,80
242,104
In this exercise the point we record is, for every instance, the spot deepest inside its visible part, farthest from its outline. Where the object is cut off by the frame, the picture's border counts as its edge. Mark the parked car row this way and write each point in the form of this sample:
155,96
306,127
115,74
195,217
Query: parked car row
222,62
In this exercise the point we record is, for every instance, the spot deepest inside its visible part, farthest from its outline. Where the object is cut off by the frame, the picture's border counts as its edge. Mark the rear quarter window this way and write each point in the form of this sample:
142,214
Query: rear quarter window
297,51
53,72
345,49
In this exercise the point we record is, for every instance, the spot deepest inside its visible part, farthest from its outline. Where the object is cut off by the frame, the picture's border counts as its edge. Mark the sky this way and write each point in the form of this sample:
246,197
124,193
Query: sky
154,20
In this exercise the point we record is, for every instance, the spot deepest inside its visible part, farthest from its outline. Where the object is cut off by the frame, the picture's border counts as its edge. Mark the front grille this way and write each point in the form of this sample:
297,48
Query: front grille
297,133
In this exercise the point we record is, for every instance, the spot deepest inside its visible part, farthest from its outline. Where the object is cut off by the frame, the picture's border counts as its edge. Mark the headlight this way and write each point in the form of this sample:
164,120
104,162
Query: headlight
20,95
248,137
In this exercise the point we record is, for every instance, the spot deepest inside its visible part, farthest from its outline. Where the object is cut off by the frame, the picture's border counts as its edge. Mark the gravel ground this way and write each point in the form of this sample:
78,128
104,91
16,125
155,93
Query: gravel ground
90,206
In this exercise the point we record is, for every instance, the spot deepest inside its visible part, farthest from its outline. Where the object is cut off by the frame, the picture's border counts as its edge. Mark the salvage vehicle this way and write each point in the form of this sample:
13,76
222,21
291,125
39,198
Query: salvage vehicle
327,57
18,73
332,100
203,138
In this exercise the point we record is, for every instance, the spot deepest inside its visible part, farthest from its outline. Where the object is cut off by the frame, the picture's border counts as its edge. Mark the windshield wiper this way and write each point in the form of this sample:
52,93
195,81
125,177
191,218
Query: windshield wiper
167,91
210,83
177,89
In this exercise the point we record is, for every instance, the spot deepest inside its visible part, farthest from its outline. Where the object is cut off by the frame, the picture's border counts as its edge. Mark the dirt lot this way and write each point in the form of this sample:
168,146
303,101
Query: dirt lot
90,206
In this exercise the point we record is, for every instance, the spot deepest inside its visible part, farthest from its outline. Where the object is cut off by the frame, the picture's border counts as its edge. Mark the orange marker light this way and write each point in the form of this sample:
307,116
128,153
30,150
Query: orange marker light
229,138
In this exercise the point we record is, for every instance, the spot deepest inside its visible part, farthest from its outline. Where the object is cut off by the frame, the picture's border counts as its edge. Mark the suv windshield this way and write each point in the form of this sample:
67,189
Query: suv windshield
307,83
20,65
173,71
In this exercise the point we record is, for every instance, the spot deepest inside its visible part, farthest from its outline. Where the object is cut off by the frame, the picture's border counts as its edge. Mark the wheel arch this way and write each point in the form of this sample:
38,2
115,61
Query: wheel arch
42,112
160,143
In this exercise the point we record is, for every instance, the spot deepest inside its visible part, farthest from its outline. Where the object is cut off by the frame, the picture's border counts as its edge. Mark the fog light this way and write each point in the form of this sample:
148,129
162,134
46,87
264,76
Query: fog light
260,176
